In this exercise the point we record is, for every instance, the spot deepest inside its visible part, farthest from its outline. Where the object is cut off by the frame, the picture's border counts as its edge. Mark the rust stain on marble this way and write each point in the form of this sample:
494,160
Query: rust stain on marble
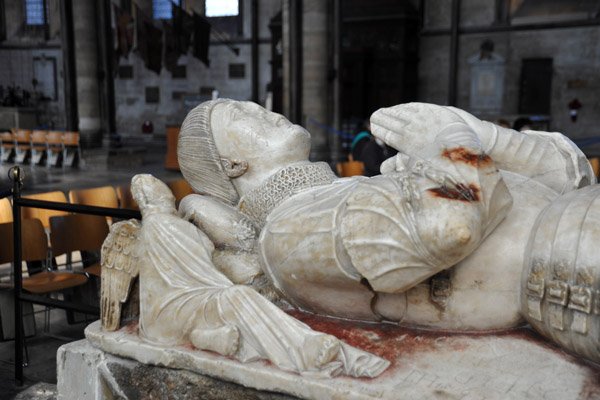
460,192
461,154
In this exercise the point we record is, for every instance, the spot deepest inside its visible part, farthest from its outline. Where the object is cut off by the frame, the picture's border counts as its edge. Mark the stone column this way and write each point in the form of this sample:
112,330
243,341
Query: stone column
86,66
314,76
285,41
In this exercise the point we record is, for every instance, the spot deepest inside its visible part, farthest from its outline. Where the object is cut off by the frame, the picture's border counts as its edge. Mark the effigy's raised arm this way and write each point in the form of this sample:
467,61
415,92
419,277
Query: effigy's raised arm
548,157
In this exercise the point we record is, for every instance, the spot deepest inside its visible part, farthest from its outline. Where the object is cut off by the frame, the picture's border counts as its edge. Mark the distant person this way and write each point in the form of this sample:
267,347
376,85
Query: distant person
373,154
522,124
360,141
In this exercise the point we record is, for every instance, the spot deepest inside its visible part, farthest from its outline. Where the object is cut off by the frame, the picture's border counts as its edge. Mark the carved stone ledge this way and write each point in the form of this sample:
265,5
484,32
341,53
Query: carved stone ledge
515,364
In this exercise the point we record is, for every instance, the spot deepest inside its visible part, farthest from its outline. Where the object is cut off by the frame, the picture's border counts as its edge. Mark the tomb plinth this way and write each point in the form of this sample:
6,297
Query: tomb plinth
508,364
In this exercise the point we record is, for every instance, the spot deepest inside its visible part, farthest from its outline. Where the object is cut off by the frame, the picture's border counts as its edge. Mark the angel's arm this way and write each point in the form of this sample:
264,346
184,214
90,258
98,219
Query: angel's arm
223,224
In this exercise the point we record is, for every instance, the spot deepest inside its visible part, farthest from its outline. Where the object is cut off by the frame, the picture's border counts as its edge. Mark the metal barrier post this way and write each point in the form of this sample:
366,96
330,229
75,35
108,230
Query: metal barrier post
17,174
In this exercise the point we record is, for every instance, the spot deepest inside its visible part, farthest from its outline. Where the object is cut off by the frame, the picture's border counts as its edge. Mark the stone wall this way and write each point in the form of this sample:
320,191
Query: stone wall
25,43
130,94
576,64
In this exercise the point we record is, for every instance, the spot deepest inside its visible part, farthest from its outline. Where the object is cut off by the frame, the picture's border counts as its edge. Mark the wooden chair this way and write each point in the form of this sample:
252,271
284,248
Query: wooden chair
595,162
41,214
350,167
104,196
5,211
71,149
78,232
180,189
23,145
39,146
8,147
56,147
35,248
125,198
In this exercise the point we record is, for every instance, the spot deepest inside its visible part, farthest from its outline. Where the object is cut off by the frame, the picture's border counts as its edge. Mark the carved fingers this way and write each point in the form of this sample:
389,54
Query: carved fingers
222,223
410,127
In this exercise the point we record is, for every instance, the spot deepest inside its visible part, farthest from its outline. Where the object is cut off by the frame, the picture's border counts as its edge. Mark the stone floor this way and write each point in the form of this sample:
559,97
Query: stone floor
40,374
94,174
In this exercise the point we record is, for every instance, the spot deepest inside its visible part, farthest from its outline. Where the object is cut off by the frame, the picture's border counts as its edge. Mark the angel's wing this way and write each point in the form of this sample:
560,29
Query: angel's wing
120,267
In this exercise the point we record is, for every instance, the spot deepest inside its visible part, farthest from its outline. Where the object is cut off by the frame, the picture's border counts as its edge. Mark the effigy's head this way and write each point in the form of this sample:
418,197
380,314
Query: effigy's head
152,194
221,139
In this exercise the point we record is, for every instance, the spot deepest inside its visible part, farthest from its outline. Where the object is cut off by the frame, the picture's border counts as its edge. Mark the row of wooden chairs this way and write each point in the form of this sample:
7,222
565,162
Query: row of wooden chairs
68,233
39,146
48,234
81,227
105,196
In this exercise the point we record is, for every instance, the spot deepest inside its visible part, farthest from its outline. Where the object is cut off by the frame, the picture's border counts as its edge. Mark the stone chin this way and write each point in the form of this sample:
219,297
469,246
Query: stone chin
300,138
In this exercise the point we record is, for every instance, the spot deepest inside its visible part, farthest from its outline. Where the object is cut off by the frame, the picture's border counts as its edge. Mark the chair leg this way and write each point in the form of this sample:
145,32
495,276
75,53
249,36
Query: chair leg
26,363
46,320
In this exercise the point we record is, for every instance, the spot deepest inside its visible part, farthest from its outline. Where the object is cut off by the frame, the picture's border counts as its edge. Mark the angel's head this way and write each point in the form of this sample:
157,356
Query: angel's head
226,146
152,195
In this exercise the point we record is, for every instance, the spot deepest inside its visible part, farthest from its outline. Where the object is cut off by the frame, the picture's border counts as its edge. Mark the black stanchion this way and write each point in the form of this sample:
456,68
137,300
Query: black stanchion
17,175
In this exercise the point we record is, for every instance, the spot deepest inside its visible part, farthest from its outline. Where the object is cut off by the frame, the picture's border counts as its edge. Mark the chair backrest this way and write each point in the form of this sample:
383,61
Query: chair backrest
34,243
125,198
7,138
595,163
23,136
77,232
42,214
71,138
350,167
180,189
5,211
39,137
55,138
104,196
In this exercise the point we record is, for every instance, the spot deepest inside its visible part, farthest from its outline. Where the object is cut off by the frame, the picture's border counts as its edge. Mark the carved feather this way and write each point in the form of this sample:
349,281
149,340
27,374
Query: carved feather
120,267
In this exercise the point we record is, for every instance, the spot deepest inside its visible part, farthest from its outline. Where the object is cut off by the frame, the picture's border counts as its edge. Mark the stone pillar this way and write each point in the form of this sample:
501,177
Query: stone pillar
285,41
86,66
314,76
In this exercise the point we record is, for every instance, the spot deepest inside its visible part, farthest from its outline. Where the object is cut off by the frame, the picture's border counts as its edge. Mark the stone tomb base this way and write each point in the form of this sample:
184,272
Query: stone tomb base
512,364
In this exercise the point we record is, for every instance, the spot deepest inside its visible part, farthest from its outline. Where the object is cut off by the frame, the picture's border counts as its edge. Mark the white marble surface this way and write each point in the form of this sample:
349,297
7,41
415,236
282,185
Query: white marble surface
185,299
513,364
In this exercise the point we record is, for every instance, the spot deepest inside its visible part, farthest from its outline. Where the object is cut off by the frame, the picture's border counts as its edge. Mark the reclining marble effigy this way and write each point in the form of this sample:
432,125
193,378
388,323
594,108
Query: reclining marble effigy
432,242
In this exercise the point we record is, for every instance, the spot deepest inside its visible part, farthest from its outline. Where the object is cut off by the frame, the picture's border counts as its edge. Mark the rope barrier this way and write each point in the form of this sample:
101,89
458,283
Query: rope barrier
582,142
332,130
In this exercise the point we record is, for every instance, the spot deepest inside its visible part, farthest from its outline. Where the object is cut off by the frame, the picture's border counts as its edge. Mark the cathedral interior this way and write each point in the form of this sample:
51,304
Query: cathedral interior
123,74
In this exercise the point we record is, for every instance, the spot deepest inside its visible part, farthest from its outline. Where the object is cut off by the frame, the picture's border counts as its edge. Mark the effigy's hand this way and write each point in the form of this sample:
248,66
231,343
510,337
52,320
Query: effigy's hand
222,223
410,127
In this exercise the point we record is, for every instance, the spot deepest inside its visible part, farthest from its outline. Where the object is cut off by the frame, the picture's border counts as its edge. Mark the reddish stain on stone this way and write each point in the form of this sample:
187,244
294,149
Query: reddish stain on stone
189,346
460,154
132,328
591,388
460,192
394,343
385,340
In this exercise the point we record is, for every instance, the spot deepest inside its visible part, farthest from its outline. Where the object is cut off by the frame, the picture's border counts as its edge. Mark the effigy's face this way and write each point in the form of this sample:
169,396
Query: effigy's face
245,130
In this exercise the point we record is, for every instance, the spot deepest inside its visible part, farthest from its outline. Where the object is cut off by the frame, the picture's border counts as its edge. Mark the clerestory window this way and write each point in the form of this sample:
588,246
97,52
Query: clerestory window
163,9
35,12
222,8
